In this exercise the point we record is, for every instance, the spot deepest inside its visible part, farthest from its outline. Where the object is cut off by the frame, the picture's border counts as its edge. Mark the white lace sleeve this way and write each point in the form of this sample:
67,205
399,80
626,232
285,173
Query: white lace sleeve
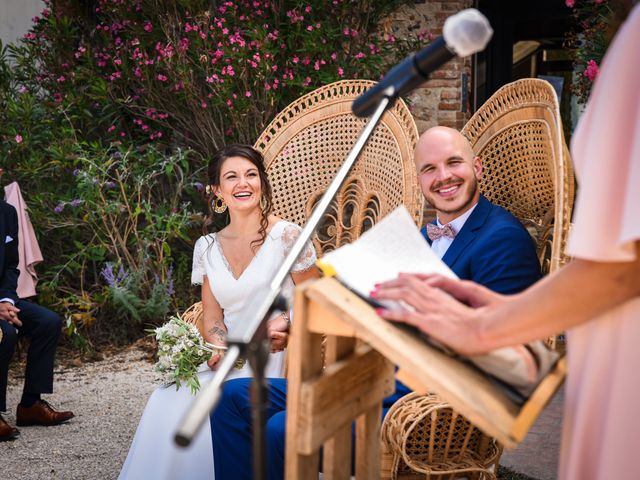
198,271
307,257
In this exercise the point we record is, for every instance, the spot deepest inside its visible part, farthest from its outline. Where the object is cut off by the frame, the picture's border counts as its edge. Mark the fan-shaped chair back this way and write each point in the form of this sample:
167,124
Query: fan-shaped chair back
308,141
527,168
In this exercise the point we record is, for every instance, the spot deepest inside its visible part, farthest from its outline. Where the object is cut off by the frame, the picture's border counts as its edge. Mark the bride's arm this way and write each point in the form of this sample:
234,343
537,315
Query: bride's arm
215,331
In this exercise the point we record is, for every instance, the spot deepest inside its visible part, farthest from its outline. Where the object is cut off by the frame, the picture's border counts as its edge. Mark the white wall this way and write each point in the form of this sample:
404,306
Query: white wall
15,18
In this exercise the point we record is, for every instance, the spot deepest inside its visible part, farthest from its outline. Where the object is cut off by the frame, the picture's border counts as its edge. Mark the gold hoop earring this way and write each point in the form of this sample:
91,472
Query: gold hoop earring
218,205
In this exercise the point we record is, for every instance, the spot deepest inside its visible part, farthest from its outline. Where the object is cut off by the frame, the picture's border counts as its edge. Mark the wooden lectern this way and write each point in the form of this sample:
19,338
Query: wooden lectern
360,353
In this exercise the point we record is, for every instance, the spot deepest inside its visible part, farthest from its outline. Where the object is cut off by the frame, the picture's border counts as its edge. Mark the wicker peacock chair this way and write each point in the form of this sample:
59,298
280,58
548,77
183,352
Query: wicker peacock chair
527,170
308,141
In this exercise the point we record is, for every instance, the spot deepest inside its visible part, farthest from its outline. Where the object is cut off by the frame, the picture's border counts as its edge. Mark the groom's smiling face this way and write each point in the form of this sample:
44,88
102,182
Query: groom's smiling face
448,172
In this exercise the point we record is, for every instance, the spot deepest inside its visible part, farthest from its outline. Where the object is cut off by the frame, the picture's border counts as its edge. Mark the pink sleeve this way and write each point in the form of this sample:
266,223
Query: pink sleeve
606,152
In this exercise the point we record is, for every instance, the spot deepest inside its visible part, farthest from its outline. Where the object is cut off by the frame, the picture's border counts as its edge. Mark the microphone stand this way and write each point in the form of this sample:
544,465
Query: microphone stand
251,340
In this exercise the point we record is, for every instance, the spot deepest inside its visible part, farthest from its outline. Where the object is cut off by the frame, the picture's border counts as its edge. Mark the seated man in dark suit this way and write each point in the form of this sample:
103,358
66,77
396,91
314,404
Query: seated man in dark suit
477,240
17,318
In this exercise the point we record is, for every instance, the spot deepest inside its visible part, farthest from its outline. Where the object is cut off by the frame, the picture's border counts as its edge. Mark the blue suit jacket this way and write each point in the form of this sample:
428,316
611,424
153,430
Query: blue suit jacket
494,250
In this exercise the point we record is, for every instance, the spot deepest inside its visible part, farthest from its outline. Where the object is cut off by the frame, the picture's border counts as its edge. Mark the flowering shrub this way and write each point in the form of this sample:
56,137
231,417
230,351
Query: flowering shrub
107,118
126,223
200,73
589,42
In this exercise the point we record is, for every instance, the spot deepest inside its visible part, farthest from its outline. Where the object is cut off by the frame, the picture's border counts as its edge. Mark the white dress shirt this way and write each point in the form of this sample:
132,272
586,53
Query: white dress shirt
441,245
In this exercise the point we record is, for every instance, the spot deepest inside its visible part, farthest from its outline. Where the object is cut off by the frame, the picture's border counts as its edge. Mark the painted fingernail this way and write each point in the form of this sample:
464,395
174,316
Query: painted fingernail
373,293
379,311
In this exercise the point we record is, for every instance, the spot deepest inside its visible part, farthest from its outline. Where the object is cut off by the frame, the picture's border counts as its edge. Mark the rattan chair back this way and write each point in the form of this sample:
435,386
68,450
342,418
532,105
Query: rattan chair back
308,141
428,437
527,168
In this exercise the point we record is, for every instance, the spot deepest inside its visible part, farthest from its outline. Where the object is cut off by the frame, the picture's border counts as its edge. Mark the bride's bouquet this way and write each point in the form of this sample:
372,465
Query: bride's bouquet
181,351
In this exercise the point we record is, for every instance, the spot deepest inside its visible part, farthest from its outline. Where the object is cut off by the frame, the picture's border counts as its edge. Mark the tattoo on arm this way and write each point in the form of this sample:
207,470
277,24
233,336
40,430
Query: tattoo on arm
216,330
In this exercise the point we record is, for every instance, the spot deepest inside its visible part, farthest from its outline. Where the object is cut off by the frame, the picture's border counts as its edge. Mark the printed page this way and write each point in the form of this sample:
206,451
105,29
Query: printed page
392,246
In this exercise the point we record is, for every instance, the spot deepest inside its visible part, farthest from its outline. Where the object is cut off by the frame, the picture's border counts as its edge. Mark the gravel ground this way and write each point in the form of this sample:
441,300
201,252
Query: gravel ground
107,398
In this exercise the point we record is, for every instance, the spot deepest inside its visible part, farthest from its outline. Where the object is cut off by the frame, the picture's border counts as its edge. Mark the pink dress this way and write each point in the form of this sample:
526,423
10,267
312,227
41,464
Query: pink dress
601,438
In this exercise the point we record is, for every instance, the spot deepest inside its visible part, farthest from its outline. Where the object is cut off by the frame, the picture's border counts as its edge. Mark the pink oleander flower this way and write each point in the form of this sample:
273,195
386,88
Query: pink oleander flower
570,3
18,138
148,27
591,72
340,72
162,78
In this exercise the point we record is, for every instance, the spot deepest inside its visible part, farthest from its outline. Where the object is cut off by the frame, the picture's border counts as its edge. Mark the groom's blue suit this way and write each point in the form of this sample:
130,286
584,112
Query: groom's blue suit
492,248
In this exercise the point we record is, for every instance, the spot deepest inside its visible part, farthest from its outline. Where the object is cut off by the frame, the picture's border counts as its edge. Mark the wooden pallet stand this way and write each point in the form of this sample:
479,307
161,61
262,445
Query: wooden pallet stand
361,350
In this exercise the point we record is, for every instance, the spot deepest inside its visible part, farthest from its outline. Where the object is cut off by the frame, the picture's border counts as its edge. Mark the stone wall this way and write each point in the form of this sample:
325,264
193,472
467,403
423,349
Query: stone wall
439,101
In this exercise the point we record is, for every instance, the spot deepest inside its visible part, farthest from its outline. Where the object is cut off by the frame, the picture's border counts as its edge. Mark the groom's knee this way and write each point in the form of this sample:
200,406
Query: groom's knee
235,397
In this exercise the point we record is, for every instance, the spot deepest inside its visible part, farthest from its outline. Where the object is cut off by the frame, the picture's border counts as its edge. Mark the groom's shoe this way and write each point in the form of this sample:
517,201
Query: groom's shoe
7,432
40,413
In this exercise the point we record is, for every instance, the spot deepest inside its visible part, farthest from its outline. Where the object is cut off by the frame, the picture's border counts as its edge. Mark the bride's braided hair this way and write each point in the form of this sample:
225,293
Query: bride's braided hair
217,221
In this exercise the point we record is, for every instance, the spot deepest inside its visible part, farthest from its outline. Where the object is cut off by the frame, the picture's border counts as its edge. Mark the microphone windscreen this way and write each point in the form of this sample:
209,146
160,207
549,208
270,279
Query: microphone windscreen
467,32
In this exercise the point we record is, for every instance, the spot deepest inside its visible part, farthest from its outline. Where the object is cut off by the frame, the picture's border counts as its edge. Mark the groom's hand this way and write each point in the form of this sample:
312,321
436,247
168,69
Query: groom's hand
215,360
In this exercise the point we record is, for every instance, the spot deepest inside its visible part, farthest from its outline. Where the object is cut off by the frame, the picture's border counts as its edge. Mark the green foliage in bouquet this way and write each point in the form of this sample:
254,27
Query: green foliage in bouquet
181,350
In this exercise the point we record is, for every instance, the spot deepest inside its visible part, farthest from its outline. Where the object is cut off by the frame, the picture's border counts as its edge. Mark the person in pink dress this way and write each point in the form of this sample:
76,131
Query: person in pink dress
595,298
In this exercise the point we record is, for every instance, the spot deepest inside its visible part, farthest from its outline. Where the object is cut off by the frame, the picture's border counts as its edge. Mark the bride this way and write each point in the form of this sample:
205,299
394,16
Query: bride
229,264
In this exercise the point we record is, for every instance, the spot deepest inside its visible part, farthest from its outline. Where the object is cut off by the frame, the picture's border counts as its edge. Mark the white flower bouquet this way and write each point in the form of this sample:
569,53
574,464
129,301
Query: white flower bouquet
181,351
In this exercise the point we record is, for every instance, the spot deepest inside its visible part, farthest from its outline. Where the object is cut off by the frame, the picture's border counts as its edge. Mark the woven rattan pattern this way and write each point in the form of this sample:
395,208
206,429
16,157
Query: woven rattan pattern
305,145
427,436
527,168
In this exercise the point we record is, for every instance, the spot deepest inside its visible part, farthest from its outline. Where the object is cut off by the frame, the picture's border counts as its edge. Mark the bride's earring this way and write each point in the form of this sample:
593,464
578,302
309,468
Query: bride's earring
218,205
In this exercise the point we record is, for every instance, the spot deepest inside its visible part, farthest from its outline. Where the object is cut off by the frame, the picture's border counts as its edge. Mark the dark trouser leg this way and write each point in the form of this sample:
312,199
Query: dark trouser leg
7,345
231,428
43,327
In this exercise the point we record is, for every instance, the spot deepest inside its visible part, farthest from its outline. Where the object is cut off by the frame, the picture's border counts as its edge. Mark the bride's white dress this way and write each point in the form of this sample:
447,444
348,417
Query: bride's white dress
153,454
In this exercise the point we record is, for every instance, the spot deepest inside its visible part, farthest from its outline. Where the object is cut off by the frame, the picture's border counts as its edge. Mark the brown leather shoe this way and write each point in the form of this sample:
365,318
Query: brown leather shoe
7,432
40,413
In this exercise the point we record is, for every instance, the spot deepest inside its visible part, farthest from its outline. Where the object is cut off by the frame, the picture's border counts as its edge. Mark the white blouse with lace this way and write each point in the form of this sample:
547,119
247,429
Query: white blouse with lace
232,293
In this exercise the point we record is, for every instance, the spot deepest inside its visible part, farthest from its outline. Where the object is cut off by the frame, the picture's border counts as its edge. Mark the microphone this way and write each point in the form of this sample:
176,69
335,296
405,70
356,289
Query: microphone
463,34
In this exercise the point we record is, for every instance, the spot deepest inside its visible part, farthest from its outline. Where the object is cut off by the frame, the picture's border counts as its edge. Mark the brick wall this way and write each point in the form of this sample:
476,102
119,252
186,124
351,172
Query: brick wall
439,101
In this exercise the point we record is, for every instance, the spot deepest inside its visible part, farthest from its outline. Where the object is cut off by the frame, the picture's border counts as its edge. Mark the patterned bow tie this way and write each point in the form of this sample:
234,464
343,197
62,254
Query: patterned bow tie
434,232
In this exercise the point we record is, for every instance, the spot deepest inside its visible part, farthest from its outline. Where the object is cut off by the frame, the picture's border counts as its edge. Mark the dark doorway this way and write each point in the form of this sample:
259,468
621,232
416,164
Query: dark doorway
527,42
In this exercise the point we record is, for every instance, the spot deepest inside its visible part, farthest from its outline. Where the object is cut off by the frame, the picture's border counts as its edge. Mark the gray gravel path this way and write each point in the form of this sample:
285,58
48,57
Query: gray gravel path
107,398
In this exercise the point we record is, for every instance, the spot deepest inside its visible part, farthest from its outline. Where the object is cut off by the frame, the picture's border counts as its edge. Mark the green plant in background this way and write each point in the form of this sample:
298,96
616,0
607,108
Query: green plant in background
199,73
126,220
589,42
109,113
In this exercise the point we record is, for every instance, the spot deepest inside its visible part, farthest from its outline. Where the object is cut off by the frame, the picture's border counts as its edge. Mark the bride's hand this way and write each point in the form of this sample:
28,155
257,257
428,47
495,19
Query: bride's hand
278,331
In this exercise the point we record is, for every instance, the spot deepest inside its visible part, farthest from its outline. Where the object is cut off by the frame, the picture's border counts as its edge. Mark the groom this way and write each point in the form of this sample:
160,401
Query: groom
479,241
17,318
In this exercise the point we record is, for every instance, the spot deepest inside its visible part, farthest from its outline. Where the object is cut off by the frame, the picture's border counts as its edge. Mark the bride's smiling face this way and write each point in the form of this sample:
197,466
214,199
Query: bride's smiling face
240,185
